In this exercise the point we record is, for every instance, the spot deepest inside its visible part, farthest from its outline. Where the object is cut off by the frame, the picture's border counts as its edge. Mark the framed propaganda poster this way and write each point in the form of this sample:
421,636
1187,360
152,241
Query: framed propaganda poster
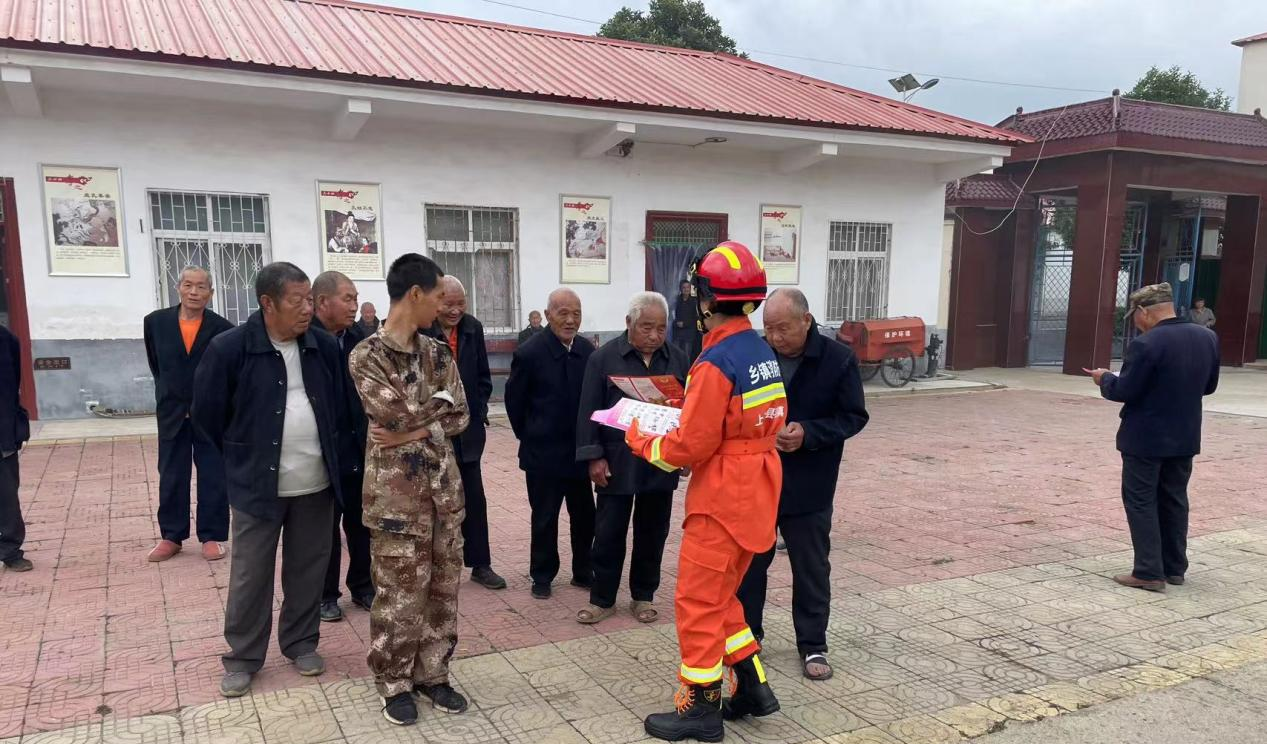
351,227
780,242
585,240
84,219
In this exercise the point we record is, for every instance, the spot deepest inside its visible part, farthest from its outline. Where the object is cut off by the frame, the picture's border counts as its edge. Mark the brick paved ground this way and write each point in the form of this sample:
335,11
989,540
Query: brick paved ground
972,540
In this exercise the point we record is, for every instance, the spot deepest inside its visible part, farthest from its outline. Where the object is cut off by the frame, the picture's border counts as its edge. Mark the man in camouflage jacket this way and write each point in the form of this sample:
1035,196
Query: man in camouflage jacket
413,498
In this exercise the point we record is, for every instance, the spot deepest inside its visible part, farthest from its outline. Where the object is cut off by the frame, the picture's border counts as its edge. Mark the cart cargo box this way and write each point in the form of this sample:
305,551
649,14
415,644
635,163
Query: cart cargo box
871,339
888,346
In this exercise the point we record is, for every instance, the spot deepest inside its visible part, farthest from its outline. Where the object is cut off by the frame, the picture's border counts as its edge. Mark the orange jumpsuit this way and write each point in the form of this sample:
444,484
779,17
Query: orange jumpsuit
735,405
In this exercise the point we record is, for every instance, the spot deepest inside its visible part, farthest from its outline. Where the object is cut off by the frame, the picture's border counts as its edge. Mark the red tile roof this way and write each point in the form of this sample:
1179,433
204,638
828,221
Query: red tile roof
370,43
1142,117
1251,39
986,189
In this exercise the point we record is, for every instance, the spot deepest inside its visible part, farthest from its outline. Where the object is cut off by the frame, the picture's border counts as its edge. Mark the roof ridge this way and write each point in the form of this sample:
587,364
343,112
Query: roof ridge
1192,108
510,27
1070,106
602,40
876,98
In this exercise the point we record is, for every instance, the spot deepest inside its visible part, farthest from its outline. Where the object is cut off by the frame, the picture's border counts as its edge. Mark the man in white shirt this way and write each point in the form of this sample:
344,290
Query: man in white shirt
271,395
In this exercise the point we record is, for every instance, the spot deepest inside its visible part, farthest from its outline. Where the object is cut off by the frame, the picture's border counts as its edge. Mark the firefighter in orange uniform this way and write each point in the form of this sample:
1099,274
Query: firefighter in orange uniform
734,407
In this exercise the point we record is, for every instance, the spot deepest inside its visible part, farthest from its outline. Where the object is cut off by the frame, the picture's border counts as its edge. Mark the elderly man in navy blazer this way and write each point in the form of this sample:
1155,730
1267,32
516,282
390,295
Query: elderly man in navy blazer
826,406
1166,372
176,338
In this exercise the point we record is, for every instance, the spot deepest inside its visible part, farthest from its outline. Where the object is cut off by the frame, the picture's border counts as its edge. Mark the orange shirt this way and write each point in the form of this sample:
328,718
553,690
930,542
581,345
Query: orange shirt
190,329
453,339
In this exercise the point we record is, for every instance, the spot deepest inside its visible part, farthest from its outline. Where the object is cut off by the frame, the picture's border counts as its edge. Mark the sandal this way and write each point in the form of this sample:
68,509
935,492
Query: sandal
644,612
593,614
817,659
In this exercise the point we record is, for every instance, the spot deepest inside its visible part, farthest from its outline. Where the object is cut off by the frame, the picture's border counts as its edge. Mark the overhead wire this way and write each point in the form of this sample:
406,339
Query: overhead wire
1042,143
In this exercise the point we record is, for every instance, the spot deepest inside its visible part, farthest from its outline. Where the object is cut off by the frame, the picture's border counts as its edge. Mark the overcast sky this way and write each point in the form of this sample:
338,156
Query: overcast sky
1093,45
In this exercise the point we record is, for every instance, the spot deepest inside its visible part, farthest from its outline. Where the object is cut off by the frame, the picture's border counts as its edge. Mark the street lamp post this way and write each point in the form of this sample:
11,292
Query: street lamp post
908,85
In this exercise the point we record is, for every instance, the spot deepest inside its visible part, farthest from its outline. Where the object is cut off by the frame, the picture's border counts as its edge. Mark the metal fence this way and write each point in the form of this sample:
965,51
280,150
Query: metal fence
1131,255
1050,294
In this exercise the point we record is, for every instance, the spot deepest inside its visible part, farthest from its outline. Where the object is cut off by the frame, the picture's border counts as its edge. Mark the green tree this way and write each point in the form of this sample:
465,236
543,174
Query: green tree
676,23
1178,86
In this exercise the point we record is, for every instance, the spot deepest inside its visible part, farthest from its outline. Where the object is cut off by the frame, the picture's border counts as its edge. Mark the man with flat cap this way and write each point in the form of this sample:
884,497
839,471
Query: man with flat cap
1166,372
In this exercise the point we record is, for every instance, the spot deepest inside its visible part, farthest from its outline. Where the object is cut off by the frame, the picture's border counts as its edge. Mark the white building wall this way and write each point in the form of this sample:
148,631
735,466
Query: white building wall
1253,79
201,146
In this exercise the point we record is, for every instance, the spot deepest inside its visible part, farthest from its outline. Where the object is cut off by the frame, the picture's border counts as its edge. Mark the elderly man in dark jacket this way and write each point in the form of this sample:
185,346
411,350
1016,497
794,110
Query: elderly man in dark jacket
826,407
335,307
624,481
271,396
1166,372
15,430
467,339
175,339
542,398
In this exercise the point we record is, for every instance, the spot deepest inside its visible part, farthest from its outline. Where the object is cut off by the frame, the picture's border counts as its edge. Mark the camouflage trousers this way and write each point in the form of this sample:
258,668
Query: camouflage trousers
413,618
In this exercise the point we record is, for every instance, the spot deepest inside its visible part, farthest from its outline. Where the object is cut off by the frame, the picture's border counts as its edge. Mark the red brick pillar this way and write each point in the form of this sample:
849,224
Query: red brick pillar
1015,278
972,284
1089,332
1241,279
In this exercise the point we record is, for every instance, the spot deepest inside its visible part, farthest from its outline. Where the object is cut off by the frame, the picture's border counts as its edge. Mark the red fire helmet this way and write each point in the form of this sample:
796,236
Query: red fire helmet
729,273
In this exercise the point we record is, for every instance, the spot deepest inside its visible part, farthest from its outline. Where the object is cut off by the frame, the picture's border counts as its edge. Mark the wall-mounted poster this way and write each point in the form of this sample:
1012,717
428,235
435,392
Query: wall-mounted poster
585,240
84,218
351,229
780,243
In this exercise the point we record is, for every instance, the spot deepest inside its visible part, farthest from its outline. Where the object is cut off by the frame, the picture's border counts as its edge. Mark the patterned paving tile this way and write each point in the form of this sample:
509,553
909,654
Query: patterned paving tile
824,718
940,607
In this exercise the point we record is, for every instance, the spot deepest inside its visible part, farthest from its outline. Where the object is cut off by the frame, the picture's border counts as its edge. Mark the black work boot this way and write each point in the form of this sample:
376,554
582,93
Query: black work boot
697,716
753,697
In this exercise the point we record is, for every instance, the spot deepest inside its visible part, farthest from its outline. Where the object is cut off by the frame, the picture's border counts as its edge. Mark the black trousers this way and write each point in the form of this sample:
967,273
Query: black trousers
546,492
212,517
475,528
357,542
305,528
650,520
808,539
13,531
1156,499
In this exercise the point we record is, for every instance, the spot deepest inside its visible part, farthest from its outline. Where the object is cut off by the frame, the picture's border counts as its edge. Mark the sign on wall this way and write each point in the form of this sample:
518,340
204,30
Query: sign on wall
780,243
585,240
84,220
351,229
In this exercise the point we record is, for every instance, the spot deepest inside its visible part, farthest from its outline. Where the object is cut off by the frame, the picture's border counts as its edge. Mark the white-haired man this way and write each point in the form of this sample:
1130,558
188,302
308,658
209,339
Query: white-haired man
629,489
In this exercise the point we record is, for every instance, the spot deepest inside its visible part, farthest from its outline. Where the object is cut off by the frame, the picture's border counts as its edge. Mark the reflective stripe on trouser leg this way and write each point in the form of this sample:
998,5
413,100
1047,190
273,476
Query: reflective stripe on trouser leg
738,640
702,676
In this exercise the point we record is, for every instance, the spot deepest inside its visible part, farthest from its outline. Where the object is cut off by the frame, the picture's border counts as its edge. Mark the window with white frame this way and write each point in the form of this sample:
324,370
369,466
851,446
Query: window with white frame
478,246
857,270
228,234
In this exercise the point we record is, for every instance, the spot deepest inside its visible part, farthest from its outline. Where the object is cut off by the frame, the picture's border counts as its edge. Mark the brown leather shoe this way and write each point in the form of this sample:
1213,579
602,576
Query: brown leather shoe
163,551
1135,583
1175,580
213,551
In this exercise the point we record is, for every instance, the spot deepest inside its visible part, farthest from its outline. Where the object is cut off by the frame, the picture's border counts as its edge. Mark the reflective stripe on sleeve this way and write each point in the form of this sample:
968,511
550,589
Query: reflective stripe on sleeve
656,456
